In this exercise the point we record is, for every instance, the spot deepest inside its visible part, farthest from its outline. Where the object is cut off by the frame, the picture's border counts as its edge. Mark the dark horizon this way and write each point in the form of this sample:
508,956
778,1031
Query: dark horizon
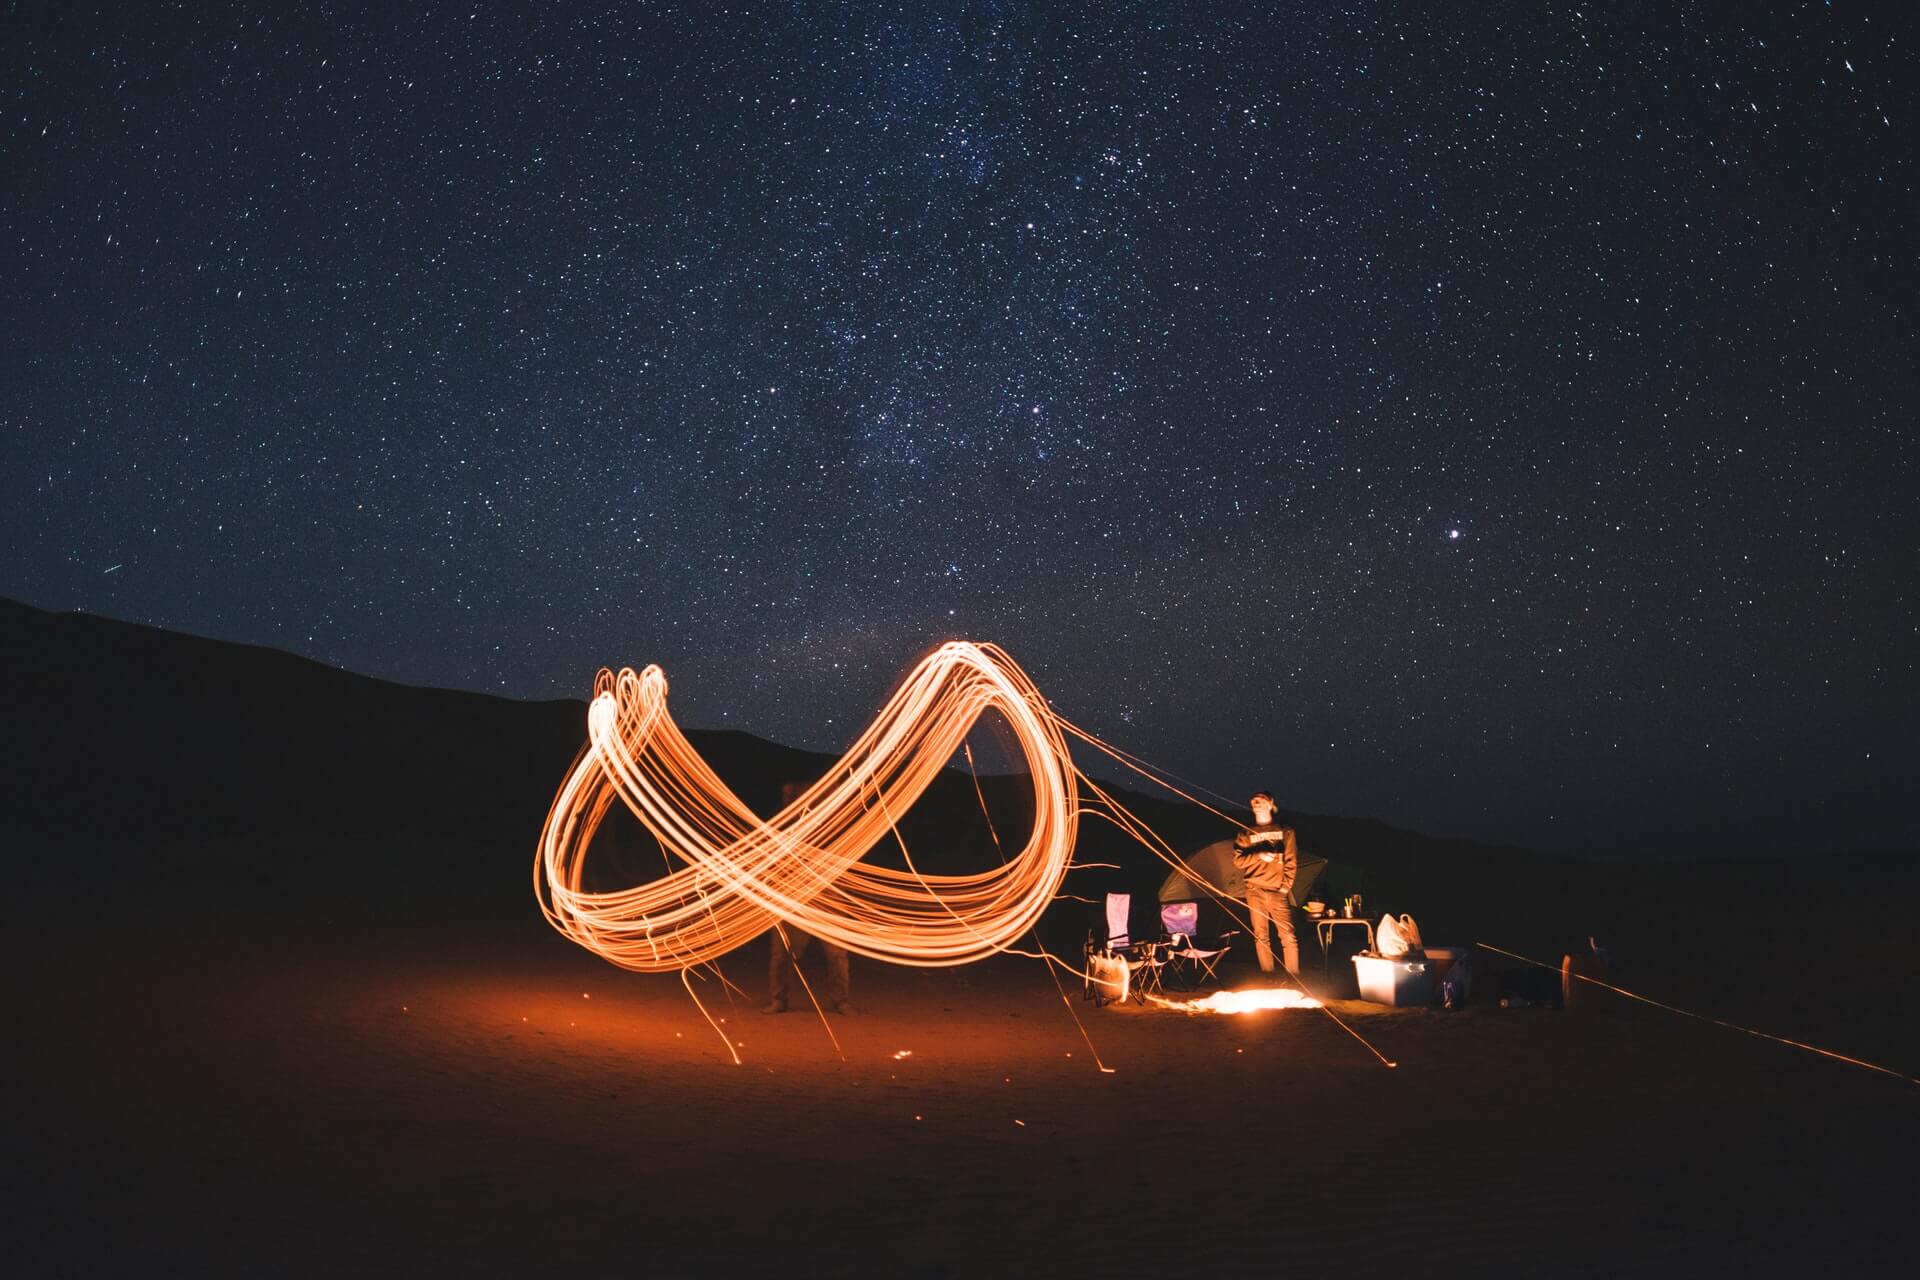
1501,427
1089,761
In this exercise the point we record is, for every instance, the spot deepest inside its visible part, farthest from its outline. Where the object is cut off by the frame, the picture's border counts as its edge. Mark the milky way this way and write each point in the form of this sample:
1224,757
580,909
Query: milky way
1498,420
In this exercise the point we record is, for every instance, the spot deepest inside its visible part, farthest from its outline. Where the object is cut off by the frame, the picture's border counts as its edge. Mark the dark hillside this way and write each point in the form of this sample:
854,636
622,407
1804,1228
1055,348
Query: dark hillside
154,759
152,779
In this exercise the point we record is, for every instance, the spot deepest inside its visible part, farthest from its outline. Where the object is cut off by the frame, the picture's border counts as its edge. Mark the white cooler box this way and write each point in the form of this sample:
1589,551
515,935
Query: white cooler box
1396,981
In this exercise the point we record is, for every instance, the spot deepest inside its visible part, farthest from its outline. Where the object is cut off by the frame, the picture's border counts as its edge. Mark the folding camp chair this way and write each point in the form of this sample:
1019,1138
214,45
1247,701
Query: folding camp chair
1143,962
1188,963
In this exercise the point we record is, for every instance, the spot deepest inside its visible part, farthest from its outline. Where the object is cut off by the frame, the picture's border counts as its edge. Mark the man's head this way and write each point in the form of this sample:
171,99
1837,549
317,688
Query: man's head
1262,806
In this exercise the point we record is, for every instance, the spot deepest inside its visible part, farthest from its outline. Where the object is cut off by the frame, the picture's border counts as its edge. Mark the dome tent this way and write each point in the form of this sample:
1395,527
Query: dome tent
1209,871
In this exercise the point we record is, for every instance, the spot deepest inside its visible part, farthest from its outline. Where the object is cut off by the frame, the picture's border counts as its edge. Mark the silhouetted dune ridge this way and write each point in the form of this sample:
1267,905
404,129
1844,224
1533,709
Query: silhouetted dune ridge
149,758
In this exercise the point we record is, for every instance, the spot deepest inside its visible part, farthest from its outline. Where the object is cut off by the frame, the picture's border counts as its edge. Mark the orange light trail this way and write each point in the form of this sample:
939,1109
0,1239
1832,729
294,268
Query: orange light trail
739,874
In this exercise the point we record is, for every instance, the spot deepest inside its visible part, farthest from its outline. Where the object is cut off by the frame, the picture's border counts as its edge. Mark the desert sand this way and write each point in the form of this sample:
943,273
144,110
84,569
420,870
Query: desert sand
281,1002
218,1094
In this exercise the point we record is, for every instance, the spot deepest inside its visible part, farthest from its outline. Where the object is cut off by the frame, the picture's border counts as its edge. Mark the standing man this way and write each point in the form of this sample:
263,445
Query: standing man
787,944
1268,856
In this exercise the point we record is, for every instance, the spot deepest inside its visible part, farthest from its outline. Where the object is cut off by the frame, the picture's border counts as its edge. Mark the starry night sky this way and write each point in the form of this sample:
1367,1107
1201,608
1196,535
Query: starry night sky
1494,419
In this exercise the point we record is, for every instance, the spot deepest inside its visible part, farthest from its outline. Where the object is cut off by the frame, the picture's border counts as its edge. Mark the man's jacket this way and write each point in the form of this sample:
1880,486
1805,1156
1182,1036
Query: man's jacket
1277,875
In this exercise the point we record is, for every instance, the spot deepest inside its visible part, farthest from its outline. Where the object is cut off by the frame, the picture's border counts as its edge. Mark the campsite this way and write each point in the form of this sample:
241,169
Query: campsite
278,1035
886,638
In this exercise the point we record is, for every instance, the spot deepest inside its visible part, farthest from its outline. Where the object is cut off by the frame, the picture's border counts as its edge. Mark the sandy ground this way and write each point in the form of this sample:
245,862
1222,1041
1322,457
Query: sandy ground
332,1099
279,1002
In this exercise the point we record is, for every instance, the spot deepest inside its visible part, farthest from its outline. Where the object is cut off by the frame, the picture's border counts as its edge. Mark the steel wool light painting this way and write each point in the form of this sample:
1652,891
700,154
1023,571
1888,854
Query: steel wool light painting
742,874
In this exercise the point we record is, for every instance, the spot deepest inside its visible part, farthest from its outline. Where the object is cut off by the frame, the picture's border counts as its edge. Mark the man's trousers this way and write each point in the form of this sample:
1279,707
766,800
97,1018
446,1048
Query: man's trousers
1266,904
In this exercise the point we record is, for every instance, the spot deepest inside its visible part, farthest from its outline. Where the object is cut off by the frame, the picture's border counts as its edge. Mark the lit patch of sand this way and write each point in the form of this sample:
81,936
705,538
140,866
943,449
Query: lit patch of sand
1249,1000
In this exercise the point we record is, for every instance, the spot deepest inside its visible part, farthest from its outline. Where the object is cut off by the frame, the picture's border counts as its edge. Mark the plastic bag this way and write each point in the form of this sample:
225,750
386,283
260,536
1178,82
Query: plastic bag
1396,935
1109,978
1411,932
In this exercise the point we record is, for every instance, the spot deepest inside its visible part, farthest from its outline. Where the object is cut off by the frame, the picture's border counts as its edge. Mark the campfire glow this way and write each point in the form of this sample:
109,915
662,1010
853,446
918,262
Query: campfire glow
1251,1000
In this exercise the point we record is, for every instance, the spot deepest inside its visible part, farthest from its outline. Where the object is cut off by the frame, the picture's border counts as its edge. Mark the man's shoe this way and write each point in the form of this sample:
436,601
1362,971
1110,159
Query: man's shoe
844,1009
774,1006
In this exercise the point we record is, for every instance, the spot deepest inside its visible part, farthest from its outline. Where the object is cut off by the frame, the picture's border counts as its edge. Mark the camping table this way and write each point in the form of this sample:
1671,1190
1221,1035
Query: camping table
1323,927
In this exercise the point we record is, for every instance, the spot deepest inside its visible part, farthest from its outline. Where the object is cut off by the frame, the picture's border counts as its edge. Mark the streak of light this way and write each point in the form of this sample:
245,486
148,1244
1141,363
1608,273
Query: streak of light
1702,1017
807,987
739,874
709,1017
1048,959
732,875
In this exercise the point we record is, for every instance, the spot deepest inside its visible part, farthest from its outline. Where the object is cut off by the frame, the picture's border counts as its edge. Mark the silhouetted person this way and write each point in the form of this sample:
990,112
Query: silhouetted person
1268,856
784,956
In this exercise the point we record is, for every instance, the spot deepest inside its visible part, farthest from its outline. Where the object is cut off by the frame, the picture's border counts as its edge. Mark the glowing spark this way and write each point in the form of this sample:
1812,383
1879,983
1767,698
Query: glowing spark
739,874
904,1053
1252,1000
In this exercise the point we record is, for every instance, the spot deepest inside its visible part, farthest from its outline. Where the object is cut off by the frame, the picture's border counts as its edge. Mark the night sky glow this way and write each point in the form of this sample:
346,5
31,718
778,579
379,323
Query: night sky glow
1498,421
